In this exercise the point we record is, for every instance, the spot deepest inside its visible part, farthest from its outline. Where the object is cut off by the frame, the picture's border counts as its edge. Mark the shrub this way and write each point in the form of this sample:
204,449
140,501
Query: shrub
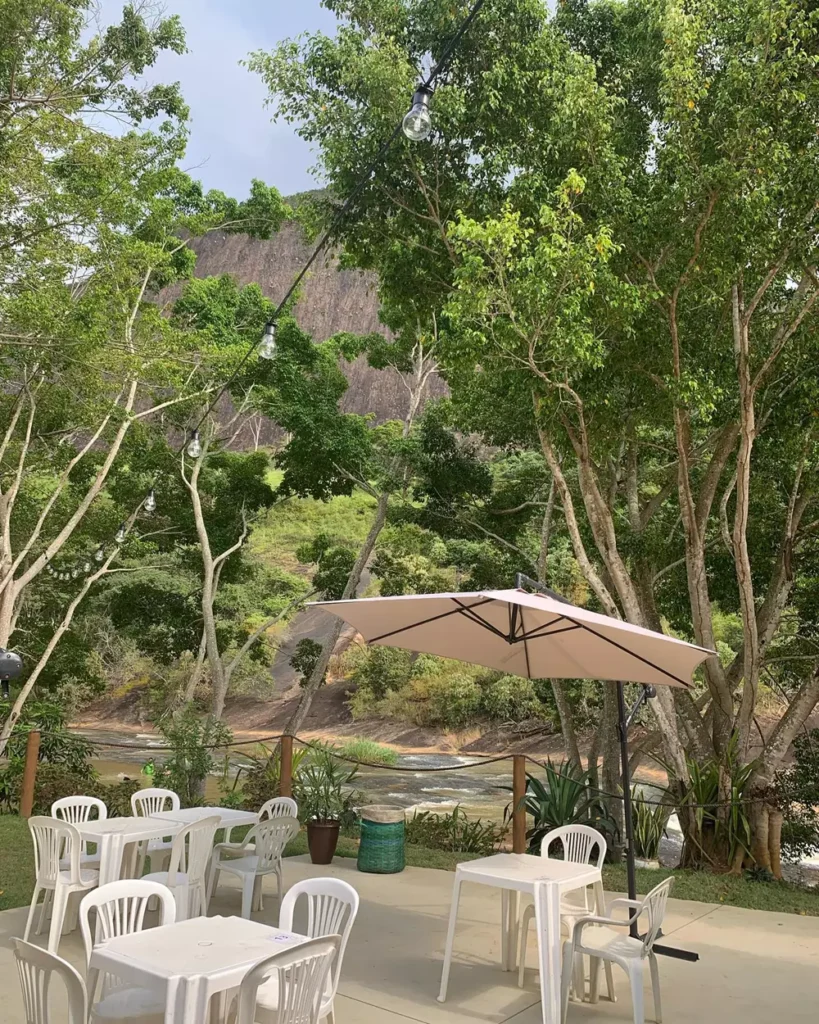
798,792
454,701
454,832
368,750
191,737
510,699
55,781
58,748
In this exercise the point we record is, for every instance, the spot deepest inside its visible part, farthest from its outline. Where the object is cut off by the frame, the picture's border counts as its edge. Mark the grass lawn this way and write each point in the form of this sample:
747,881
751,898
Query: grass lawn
17,875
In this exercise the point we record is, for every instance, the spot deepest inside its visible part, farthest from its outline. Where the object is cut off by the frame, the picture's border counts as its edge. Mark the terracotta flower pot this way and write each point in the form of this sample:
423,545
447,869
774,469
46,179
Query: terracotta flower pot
322,839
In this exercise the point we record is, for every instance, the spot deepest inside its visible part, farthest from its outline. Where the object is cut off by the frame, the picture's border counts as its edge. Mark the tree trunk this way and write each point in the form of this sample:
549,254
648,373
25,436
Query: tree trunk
611,775
196,674
759,816
564,711
353,580
775,842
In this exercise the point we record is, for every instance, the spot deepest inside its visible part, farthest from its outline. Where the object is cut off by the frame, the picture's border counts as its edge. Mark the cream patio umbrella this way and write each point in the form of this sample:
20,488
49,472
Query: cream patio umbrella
538,635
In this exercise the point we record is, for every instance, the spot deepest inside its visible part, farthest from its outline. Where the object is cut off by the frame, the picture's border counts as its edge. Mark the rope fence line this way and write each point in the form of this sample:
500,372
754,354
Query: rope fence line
678,803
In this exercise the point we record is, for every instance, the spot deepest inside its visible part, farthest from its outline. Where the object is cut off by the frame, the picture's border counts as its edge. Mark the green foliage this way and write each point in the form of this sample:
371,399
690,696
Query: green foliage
797,787
324,790
261,779
565,796
510,699
305,657
721,833
55,781
455,832
333,564
62,755
453,701
190,736
370,751
649,822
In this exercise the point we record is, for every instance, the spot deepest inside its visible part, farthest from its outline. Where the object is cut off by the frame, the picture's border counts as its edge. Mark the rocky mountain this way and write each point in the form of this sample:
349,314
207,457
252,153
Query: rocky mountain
331,300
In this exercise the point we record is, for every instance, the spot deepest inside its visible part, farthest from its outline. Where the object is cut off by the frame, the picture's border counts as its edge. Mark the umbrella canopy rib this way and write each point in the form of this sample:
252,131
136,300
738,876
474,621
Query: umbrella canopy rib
433,618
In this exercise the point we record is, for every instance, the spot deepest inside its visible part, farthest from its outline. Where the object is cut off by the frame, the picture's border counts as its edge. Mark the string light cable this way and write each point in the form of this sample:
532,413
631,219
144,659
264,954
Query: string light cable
416,125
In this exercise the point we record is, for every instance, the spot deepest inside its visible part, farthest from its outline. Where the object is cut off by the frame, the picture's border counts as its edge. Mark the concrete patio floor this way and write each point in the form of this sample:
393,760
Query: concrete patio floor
755,967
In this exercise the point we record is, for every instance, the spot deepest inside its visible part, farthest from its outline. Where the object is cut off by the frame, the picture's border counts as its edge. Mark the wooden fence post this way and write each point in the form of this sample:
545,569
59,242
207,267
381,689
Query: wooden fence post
29,773
286,773
518,809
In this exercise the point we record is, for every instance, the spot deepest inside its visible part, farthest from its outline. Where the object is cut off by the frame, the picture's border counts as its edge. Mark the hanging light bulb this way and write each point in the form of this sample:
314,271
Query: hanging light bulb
195,446
418,122
150,502
121,534
99,554
87,567
267,349
75,573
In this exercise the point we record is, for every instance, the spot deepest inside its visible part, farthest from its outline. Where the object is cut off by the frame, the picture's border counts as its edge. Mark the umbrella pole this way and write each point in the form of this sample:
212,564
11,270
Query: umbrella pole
623,722
622,728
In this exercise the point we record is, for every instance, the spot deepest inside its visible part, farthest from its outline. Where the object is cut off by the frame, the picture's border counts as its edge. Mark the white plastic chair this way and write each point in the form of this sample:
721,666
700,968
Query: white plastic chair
75,810
120,910
278,807
299,973
35,967
53,840
186,874
259,854
581,844
594,937
144,803
332,907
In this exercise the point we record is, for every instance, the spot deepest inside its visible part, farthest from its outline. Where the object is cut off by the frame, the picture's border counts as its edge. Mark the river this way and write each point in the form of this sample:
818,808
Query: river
482,791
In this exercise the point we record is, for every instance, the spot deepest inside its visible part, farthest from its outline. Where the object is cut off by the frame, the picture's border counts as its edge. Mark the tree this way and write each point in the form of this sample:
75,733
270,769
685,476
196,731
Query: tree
330,452
93,223
629,287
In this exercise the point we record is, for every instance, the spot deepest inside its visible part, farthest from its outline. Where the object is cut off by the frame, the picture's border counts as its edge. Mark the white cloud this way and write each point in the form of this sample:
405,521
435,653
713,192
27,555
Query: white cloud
232,138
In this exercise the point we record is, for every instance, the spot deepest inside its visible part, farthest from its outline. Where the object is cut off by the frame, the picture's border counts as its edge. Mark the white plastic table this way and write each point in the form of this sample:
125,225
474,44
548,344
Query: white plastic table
228,817
191,960
546,881
112,835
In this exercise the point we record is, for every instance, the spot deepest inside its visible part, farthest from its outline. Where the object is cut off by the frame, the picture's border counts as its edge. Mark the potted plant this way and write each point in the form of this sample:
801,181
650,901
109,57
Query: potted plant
323,802
650,821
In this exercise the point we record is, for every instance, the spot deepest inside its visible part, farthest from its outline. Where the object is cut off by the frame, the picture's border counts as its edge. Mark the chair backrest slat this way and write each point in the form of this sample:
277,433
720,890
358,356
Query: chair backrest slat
332,906
301,973
146,802
35,967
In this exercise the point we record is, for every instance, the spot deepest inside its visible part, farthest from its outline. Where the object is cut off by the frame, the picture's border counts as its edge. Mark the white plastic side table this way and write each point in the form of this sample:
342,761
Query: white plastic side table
549,880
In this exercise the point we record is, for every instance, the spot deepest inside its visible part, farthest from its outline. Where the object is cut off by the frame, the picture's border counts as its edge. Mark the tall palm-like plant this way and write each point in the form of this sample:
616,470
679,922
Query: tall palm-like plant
565,796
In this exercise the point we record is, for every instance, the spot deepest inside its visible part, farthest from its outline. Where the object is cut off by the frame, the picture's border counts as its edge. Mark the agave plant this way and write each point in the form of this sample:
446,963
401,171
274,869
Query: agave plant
650,821
566,796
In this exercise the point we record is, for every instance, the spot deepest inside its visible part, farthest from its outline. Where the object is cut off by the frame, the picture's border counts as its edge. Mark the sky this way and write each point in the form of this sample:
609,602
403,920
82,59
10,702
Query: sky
232,137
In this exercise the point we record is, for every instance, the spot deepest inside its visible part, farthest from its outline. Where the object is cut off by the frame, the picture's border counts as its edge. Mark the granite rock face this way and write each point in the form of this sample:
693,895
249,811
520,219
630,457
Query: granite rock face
331,300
